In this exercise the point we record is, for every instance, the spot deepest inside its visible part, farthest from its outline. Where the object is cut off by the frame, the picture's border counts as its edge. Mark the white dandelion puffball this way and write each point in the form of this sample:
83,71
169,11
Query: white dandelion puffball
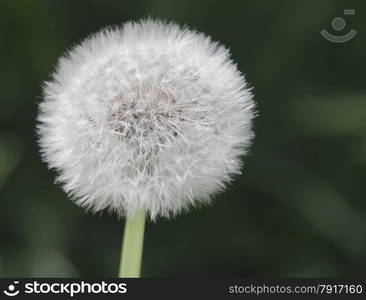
148,116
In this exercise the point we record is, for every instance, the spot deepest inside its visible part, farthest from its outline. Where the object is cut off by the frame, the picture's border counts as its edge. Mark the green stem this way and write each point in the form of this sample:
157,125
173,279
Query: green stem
133,242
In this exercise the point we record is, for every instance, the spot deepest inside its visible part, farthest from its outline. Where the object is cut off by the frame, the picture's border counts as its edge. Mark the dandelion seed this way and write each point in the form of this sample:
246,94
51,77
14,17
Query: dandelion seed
149,116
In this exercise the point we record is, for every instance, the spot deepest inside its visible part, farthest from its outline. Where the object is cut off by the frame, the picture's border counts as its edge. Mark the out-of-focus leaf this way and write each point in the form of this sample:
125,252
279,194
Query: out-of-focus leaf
47,262
10,155
319,116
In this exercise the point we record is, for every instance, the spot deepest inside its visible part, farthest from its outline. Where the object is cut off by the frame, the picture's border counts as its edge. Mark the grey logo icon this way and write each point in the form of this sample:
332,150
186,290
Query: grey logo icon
11,290
338,24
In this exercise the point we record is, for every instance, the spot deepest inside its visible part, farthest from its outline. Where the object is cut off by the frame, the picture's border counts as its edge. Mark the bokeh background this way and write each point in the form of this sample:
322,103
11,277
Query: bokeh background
299,208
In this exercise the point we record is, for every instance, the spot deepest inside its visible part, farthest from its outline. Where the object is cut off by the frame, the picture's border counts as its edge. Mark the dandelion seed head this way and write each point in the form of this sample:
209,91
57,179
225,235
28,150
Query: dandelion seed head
148,116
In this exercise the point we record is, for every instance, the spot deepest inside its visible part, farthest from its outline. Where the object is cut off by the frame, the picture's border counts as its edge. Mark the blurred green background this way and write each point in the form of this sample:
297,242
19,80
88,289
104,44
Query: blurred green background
299,208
